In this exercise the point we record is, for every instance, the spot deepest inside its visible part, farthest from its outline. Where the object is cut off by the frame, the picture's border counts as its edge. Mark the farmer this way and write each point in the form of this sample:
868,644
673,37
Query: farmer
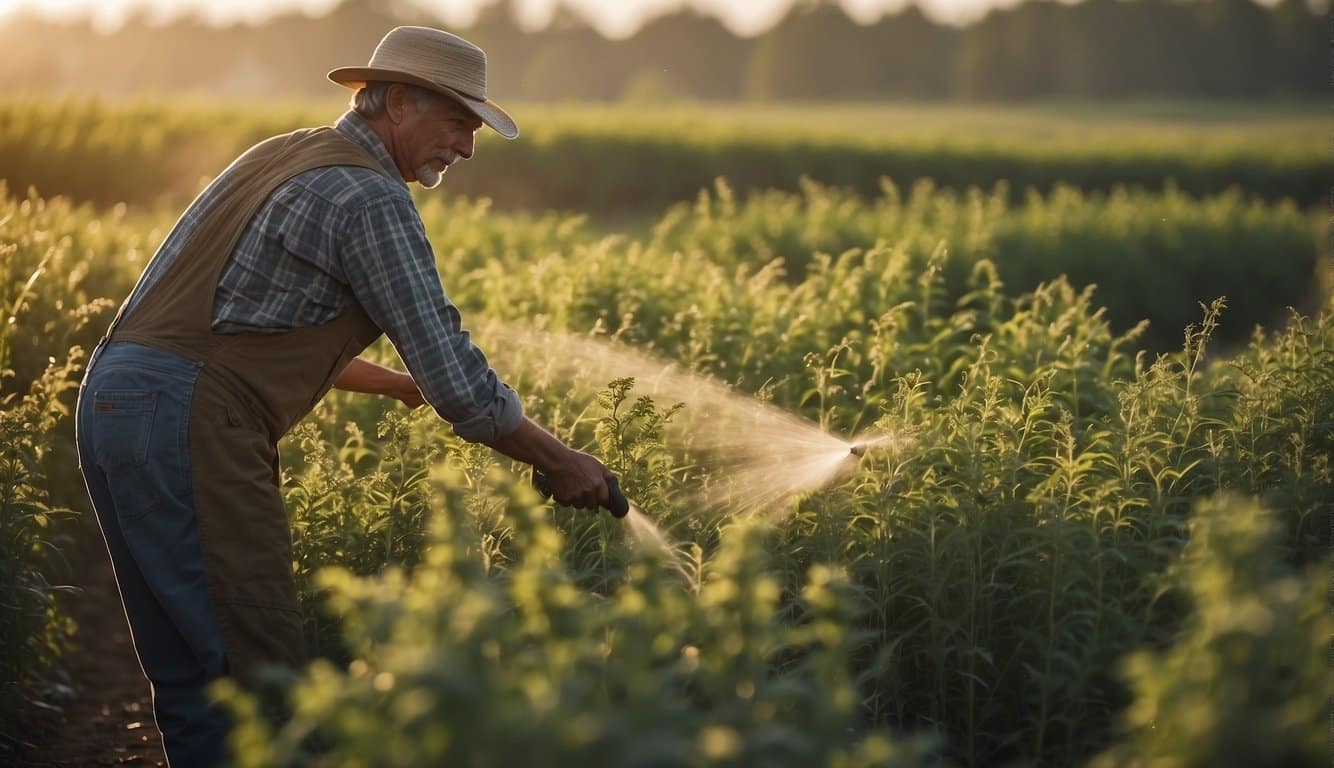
277,276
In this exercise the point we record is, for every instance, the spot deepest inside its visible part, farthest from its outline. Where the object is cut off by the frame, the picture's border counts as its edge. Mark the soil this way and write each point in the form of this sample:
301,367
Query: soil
109,721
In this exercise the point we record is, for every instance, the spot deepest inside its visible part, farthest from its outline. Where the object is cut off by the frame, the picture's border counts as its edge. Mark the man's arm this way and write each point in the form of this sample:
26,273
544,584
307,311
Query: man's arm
362,375
391,269
577,479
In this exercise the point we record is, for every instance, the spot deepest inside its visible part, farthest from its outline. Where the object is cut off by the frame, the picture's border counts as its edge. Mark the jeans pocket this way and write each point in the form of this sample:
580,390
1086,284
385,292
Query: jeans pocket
122,433
122,427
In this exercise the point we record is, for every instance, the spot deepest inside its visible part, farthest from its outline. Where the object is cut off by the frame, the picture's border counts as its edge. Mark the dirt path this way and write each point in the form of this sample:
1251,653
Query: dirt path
110,721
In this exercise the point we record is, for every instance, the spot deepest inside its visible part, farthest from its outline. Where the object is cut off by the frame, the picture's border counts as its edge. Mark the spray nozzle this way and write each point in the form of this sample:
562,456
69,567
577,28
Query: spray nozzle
858,449
617,504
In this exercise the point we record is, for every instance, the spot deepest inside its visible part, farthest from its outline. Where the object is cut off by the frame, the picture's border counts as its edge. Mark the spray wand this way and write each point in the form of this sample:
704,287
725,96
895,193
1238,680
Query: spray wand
617,504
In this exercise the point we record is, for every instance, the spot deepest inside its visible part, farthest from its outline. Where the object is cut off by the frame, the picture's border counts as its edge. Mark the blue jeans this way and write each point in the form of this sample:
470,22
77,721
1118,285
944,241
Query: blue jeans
133,438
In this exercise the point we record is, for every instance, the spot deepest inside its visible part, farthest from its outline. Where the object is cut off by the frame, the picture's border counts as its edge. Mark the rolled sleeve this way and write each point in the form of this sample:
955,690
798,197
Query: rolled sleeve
500,418
391,269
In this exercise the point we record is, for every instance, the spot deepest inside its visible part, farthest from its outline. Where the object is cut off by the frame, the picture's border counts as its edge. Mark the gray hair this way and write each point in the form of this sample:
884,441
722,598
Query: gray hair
369,101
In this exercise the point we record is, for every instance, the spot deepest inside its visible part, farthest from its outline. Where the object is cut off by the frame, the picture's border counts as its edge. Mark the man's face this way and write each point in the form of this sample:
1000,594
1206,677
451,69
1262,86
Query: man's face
430,140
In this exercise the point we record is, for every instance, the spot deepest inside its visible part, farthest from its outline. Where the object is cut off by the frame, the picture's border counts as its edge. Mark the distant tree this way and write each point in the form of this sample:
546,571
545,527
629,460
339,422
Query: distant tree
982,42
509,49
295,51
812,53
1104,49
1239,58
911,56
1016,53
1301,50
1094,49
818,53
571,60
690,52
1111,49
1159,51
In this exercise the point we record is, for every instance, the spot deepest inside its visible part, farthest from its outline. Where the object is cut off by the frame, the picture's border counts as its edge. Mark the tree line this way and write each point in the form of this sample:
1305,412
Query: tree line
1095,49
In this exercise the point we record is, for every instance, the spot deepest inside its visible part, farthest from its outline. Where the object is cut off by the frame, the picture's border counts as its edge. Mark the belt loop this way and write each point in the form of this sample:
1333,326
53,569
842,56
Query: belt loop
93,356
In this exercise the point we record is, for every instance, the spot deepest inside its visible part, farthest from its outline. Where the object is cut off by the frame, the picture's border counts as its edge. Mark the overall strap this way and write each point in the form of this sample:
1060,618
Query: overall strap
177,311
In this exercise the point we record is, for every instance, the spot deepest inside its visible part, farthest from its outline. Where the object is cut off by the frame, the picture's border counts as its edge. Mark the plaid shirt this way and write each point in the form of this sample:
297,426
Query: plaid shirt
333,236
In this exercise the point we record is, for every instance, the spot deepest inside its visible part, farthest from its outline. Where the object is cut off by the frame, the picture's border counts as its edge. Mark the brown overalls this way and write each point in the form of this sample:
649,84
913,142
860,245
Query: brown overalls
251,390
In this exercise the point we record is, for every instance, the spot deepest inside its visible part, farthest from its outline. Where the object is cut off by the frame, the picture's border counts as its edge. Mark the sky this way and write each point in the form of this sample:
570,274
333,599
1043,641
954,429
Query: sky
615,18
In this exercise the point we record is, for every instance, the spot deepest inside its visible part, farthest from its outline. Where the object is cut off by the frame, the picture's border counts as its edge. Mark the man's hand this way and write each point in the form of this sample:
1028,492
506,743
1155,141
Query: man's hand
577,479
582,483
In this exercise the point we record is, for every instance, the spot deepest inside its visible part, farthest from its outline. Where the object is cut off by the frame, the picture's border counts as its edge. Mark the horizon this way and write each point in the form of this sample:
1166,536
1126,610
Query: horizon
615,19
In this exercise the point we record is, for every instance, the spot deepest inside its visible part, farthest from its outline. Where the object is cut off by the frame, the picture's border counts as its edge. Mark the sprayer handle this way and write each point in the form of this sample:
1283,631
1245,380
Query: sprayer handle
617,504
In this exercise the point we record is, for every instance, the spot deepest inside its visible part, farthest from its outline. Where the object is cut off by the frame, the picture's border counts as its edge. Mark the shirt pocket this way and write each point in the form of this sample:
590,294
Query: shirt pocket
123,425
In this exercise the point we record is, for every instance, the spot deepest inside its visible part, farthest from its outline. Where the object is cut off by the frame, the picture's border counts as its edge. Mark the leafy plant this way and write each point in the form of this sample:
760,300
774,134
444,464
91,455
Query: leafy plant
1246,683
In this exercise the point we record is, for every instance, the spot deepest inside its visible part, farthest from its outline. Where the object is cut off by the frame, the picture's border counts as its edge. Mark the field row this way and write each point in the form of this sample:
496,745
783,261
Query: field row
626,160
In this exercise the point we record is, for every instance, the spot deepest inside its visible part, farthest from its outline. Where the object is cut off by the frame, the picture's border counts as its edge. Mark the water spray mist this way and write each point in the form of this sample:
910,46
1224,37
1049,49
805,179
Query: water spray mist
761,456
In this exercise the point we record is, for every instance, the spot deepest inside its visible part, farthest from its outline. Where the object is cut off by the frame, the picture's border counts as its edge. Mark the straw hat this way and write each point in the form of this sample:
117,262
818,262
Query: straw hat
436,60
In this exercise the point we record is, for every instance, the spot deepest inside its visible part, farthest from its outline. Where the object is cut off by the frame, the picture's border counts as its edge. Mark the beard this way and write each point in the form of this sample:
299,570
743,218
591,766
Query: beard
428,176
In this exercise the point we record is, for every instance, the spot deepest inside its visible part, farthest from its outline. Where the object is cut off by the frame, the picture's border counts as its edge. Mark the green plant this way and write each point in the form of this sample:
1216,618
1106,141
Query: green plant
1246,683
477,669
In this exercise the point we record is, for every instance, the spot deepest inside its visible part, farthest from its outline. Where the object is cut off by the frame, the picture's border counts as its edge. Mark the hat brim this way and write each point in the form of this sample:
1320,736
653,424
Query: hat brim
486,110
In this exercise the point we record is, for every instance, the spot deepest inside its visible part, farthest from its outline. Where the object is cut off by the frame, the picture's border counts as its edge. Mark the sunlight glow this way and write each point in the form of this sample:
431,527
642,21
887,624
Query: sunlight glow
614,18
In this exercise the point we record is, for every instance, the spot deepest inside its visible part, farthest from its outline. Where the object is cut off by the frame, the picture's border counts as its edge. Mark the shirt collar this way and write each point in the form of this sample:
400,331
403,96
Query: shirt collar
356,128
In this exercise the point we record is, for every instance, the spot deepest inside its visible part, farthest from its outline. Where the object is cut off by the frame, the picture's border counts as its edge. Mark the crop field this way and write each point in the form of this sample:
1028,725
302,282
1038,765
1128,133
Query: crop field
637,160
1073,537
